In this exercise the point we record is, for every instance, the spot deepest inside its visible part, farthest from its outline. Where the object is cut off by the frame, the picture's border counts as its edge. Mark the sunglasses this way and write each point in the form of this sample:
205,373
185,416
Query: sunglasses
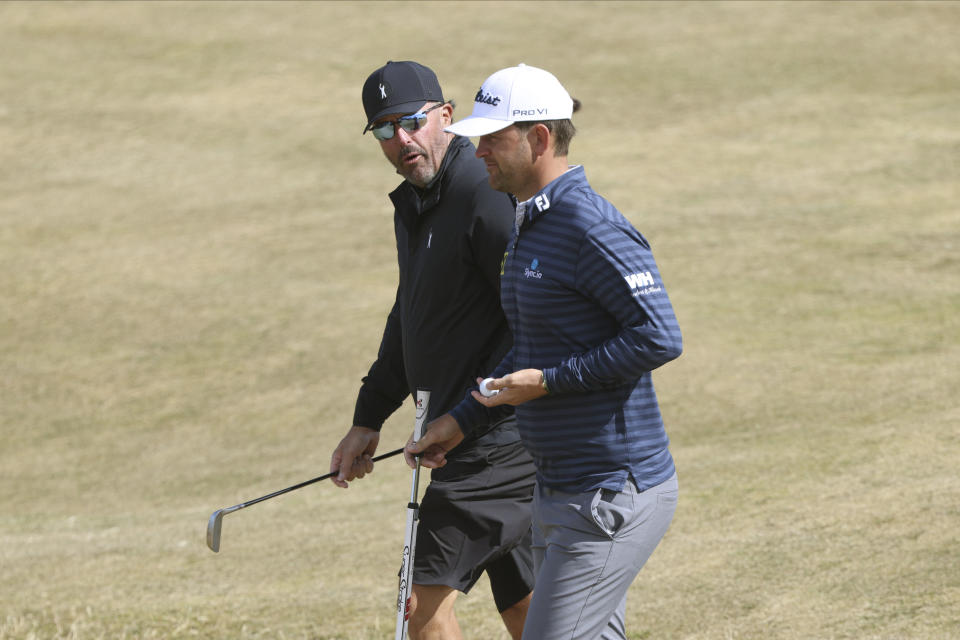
411,123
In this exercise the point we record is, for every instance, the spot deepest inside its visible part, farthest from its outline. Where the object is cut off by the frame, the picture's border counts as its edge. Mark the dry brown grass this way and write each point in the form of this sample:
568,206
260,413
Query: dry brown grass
196,257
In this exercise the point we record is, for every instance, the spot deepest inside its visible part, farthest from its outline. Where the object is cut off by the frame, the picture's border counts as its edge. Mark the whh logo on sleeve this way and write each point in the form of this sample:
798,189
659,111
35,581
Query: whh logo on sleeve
642,283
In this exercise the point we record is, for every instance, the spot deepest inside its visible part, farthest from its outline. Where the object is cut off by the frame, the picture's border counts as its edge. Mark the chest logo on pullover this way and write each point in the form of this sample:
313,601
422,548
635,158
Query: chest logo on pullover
531,271
641,283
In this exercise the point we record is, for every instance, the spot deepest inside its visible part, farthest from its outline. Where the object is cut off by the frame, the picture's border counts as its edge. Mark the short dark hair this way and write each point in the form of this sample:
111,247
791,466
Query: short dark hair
562,130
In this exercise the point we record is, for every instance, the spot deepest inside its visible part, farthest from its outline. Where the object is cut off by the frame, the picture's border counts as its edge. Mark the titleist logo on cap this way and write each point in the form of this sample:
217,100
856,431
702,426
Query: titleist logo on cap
486,98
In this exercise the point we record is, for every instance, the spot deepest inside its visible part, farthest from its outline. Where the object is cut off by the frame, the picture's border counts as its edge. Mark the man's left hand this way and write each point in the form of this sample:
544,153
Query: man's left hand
514,388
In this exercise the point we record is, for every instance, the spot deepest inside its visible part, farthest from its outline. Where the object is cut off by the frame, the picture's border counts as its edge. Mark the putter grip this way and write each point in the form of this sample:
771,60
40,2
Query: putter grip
423,402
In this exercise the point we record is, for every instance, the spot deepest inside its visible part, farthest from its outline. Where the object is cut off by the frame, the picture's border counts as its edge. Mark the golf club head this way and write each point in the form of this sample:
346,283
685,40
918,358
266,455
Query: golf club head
213,530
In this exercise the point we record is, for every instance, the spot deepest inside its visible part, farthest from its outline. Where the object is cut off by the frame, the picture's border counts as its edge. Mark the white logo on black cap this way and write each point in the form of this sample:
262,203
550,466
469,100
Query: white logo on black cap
383,91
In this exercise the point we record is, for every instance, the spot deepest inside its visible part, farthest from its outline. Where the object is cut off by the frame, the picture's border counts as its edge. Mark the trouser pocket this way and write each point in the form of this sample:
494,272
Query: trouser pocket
612,509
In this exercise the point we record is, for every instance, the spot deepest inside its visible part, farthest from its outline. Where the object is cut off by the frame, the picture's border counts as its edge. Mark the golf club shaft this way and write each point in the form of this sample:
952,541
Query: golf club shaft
307,482
216,519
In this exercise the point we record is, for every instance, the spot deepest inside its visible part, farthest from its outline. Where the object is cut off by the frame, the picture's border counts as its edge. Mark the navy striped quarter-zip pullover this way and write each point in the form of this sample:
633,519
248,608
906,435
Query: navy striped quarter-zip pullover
586,304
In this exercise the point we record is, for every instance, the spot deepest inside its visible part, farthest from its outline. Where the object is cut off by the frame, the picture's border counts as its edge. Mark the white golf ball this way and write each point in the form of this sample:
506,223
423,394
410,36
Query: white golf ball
485,391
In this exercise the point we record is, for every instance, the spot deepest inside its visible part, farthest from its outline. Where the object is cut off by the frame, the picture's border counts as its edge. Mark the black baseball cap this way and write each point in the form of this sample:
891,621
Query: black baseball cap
399,87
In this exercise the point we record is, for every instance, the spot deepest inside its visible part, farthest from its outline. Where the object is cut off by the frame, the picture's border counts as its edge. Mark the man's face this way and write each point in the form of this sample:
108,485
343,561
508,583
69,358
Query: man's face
417,155
509,160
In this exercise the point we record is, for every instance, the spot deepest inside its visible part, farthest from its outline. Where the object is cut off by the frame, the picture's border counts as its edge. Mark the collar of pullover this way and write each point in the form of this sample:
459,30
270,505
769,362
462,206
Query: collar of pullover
529,211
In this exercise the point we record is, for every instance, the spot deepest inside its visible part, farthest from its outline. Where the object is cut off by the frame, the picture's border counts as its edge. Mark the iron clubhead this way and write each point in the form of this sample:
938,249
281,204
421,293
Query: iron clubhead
213,530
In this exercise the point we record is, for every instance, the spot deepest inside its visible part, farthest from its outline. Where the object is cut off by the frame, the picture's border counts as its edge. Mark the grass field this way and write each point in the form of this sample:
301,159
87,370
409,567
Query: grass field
196,259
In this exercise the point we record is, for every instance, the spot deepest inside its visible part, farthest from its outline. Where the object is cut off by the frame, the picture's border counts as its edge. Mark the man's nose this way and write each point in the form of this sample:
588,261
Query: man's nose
402,135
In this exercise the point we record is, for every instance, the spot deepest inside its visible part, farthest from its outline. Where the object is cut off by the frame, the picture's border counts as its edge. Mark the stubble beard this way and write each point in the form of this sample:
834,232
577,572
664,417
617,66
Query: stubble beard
503,181
510,171
497,182
419,174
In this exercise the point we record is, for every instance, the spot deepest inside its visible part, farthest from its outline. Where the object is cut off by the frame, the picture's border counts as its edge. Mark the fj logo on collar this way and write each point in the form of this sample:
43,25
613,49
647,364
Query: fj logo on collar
542,202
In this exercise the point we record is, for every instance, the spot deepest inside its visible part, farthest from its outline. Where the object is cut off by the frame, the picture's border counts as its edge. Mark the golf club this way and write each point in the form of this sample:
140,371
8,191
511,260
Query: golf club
413,519
216,519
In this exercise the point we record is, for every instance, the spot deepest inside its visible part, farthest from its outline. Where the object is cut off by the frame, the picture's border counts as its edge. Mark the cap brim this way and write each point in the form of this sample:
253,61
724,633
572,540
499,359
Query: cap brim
404,108
474,126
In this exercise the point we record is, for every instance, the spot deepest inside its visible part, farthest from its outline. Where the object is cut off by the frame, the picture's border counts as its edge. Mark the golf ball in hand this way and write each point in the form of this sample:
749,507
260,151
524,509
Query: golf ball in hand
485,391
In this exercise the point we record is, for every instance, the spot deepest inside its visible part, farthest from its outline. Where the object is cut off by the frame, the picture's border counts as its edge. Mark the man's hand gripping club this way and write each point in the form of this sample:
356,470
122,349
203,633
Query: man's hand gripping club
353,457
443,434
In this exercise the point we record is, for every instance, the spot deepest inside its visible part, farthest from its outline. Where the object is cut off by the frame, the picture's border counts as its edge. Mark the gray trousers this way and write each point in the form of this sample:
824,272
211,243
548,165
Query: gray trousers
587,550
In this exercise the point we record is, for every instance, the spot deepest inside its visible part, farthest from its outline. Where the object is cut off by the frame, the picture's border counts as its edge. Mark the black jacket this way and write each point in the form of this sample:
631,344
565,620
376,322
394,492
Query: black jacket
446,327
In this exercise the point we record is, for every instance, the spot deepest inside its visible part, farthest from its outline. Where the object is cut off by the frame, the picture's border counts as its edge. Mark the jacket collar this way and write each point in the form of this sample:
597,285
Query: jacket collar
411,201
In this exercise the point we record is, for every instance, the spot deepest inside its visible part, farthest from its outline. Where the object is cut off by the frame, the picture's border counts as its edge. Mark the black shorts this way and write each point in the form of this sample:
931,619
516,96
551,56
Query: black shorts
475,517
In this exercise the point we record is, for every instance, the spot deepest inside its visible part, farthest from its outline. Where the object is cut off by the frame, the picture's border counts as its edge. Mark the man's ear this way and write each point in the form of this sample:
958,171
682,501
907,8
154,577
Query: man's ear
539,138
446,113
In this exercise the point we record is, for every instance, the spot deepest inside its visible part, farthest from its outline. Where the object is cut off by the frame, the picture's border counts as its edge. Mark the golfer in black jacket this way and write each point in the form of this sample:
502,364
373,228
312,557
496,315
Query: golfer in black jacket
446,328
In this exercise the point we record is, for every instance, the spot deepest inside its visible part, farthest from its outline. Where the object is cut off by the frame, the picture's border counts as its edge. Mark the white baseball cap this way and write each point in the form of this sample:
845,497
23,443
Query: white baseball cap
515,94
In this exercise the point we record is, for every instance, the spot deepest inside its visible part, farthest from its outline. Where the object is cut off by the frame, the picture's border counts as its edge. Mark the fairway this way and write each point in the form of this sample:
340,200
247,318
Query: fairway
197,259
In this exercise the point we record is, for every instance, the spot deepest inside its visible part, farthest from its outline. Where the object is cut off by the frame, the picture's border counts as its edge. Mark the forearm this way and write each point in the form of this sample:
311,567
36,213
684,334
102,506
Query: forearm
620,360
384,388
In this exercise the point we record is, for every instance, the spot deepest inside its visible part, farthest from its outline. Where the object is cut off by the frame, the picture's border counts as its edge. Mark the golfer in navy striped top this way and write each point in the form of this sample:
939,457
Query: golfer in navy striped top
591,320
